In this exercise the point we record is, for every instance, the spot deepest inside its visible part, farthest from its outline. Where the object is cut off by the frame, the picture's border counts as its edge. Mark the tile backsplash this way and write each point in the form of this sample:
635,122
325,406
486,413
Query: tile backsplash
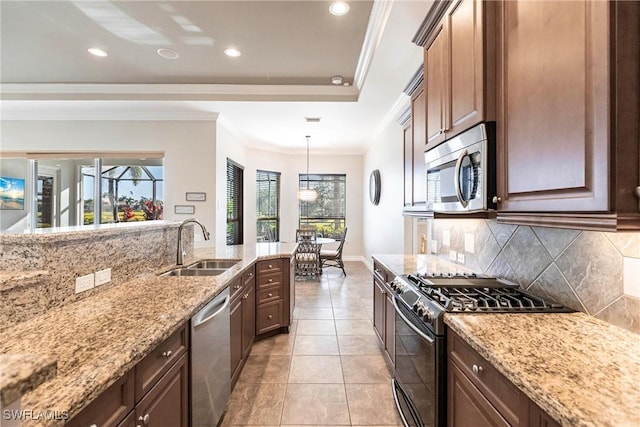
594,272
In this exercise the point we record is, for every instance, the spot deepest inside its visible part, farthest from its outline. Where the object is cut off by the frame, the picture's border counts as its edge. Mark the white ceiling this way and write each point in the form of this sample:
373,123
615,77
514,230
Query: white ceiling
290,49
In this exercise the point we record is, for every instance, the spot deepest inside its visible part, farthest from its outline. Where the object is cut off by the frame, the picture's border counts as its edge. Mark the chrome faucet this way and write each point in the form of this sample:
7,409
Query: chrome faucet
181,252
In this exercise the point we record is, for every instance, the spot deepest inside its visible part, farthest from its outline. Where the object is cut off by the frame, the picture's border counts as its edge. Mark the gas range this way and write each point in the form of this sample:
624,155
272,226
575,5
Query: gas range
431,295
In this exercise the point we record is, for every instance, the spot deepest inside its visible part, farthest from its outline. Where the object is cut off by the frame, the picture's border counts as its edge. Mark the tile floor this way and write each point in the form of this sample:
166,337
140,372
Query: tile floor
328,371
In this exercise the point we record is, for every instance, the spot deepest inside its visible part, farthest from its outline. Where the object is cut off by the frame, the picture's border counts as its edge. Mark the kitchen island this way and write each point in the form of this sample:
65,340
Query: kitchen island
579,370
97,340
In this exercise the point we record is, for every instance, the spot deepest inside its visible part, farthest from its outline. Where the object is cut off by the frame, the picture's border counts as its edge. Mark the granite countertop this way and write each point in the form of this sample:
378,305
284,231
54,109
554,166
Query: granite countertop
14,279
582,371
96,340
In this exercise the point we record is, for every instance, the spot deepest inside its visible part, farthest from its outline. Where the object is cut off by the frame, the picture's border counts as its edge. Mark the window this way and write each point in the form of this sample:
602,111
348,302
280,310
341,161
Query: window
234,202
268,206
327,213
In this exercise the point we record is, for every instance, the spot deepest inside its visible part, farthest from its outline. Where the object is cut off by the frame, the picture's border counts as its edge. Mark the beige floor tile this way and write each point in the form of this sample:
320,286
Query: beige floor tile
315,404
356,312
316,327
323,301
365,370
354,327
372,404
315,313
340,302
265,369
319,345
277,345
359,345
255,404
316,370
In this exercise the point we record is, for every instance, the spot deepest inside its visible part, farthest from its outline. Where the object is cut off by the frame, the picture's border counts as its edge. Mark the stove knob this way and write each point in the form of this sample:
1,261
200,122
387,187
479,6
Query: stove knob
429,315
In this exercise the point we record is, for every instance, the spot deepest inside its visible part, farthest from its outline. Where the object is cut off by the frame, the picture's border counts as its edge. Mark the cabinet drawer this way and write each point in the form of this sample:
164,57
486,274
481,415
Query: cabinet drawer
235,288
270,279
269,266
110,407
379,272
503,395
269,295
249,276
152,367
268,317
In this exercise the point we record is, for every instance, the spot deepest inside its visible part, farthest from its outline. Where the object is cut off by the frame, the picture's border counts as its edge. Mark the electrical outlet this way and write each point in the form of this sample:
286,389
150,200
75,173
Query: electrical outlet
460,258
446,237
84,283
103,276
453,256
469,245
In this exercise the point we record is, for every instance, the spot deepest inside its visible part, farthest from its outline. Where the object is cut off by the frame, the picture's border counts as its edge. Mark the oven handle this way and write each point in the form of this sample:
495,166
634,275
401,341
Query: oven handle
456,183
410,324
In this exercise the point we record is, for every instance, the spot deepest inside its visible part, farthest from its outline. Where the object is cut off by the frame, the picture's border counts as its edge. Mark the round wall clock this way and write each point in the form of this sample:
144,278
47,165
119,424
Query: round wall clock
374,187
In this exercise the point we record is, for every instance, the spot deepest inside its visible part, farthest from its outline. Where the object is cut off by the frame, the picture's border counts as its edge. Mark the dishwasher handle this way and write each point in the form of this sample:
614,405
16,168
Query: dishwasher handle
210,311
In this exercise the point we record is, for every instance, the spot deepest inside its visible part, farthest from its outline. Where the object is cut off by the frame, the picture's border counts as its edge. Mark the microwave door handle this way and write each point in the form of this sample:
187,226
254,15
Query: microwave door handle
456,182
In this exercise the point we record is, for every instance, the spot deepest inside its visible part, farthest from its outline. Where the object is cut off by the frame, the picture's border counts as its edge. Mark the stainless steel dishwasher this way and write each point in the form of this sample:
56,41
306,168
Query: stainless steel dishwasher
210,362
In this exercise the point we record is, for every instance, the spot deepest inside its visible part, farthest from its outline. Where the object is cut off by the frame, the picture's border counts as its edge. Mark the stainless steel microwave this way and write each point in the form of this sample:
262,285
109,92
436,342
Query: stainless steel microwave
460,172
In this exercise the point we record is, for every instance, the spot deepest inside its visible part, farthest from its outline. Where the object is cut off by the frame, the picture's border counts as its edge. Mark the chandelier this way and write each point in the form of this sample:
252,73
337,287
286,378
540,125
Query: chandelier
307,194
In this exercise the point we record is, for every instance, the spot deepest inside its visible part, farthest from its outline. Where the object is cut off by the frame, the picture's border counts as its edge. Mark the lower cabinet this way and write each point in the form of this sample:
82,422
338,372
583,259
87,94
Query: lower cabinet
154,393
479,395
273,296
242,311
383,311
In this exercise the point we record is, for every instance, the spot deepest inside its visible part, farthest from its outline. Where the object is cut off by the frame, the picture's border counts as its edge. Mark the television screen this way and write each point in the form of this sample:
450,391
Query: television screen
11,193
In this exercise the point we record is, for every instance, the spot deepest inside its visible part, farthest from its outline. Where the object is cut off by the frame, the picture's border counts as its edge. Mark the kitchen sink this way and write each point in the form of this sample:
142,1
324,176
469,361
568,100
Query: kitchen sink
214,263
195,272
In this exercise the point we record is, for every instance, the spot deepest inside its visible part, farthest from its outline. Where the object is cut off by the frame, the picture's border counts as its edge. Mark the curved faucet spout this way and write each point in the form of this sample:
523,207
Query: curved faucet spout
181,253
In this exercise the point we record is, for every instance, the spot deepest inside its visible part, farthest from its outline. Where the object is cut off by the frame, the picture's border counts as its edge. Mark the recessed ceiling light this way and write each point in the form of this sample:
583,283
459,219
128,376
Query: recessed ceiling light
234,53
168,53
337,80
346,84
339,8
97,52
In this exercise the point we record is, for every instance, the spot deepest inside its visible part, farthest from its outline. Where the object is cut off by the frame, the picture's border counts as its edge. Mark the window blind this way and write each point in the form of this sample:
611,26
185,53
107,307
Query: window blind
327,213
234,202
267,205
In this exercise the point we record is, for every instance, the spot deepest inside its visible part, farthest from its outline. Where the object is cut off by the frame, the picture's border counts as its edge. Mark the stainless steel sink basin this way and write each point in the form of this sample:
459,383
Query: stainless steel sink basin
214,263
195,272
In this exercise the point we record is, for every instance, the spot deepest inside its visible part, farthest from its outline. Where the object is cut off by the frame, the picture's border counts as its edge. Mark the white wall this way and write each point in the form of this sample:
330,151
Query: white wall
383,231
189,148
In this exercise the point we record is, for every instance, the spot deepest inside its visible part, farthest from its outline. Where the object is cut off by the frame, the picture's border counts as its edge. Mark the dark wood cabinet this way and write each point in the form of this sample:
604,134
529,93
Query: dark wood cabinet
415,136
383,311
479,395
459,67
273,303
155,390
166,404
568,74
242,317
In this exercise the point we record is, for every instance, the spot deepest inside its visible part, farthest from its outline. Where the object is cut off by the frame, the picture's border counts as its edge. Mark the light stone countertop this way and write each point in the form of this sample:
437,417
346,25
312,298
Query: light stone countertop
96,340
21,373
16,279
582,371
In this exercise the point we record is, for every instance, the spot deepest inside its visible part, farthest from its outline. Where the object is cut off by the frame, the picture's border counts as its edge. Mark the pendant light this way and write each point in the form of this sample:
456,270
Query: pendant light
307,194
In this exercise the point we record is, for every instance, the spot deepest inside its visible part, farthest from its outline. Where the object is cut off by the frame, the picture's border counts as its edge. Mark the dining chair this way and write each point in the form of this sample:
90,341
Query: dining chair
307,263
333,258
306,235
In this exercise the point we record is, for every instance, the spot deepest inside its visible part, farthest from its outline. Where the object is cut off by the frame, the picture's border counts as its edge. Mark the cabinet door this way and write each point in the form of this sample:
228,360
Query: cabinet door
379,299
553,105
466,406
167,402
539,418
466,98
435,64
418,118
248,318
235,326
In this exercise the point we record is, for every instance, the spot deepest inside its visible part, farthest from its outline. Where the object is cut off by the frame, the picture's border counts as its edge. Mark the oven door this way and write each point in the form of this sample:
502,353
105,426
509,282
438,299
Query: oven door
420,371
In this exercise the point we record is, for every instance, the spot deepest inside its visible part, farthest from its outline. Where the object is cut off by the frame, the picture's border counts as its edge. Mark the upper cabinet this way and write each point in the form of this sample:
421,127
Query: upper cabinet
459,67
415,134
568,108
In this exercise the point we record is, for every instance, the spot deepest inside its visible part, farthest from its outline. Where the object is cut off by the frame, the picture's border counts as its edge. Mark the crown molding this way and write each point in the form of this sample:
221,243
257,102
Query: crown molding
416,80
105,115
175,92
404,117
380,12
436,12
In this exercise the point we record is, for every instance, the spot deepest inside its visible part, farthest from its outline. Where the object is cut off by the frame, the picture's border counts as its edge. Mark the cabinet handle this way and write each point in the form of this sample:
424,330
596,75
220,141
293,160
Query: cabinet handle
637,192
245,296
270,280
269,295
93,425
477,369
383,292
166,354
250,274
270,266
145,419
496,199
236,287
270,316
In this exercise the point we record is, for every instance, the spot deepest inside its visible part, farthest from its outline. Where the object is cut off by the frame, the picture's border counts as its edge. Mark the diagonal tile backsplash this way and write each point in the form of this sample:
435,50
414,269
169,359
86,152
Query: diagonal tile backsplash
580,269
